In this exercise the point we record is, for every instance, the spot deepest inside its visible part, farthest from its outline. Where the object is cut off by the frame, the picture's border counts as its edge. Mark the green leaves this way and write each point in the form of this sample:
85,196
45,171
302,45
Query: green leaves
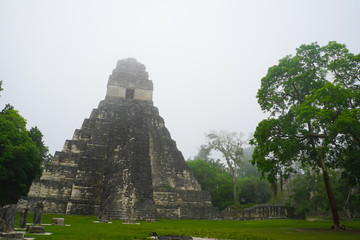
288,83
19,159
313,95
37,136
309,193
213,177
254,190
313,100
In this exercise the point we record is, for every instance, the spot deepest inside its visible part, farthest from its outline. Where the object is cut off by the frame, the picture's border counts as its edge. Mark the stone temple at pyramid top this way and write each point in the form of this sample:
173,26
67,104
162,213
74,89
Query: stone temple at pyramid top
130,80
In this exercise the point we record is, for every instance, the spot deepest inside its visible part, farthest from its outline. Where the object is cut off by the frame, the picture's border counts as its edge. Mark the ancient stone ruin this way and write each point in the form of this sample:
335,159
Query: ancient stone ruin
122,163
262,211
7,223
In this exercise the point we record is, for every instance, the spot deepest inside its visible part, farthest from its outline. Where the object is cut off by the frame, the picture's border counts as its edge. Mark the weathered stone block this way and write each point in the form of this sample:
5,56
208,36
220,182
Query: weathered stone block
38,210
7,218
58,221
172,237
23,217
35,229
11,235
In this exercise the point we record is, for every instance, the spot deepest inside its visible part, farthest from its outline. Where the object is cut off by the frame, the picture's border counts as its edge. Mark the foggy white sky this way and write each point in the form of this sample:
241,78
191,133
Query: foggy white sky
206,58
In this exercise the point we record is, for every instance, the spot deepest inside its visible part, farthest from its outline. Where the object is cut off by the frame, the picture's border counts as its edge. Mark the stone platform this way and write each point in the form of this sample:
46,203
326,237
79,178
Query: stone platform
12,235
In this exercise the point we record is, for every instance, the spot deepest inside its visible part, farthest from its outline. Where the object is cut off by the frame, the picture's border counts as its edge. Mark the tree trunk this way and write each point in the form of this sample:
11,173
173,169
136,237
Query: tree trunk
233,174
334,211
281,183
274,189
321,162
235,188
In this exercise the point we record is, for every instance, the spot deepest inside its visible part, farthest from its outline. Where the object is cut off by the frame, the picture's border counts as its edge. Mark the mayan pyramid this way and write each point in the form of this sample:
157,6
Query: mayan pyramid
122,163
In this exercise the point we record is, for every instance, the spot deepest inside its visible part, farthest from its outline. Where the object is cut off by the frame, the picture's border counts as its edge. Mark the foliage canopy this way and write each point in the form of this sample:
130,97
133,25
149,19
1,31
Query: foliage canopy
20,162
19,159
215,177
313,100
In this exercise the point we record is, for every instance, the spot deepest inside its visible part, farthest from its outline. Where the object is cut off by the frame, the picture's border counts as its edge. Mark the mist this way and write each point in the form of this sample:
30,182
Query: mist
206,58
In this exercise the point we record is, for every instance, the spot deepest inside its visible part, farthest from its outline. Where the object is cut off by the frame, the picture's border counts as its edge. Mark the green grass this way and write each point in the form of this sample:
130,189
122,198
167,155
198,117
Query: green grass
83,227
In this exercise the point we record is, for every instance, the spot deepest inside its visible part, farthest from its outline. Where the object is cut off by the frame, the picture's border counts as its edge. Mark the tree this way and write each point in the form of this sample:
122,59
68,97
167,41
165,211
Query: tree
213,177
313,101
204,153
254,190
20,162
229,144
19,159
247,169
36,135
336,106
308,192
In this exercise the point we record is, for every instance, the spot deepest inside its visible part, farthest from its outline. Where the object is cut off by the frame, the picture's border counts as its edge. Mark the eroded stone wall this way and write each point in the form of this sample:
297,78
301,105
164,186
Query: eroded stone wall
177,204
259,212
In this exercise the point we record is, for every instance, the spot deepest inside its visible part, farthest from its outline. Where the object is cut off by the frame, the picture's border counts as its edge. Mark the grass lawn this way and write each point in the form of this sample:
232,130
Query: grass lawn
83,227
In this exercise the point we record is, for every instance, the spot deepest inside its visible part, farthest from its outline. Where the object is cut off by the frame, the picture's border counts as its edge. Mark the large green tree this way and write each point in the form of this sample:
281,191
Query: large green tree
20,161
313,101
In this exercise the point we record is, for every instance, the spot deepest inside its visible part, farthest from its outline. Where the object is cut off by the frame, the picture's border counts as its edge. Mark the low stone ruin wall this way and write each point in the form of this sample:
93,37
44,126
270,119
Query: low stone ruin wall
263,211
178,204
